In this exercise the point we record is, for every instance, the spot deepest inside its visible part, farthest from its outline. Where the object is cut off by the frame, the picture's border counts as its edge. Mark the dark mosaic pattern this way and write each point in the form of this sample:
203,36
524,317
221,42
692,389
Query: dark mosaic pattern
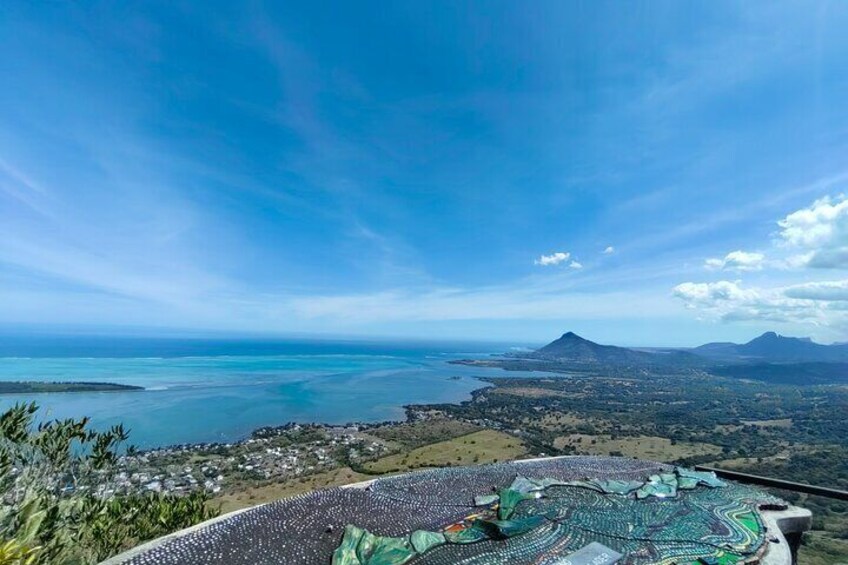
305,530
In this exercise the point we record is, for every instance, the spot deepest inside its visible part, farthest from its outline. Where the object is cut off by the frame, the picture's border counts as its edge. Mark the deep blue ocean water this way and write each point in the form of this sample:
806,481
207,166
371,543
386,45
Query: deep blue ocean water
204,390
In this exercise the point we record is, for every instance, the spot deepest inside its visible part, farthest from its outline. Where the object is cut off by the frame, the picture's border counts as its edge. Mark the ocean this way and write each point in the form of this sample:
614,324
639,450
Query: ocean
209,390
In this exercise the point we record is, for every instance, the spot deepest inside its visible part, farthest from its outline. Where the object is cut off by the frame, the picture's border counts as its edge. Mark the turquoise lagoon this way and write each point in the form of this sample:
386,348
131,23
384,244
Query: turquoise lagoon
219,391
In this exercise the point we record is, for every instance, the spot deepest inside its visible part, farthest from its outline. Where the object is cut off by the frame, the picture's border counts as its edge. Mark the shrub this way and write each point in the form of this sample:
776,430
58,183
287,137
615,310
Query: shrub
49,509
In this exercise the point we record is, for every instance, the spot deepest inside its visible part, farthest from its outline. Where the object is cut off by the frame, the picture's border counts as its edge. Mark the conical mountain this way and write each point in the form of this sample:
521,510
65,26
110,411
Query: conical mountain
572,347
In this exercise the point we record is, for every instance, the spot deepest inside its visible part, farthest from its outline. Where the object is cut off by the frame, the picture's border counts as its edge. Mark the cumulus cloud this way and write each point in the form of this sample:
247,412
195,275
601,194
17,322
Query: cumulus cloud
714,294
820,232
821,303
609,250
737,261
812,237
575,265
825,290
553,259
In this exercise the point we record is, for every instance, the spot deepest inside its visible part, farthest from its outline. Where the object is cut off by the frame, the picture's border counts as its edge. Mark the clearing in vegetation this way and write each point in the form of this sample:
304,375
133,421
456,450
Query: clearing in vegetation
485,446
640,447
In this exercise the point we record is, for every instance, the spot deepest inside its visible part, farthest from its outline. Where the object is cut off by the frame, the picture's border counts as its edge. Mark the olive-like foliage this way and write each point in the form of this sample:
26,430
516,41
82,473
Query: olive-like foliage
49,510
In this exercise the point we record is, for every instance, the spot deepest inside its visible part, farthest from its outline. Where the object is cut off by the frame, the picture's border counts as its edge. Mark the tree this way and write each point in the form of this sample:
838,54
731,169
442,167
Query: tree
50,511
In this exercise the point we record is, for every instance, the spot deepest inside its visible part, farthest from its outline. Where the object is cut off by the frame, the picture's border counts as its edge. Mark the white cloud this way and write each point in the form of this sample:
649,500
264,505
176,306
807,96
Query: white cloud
812,237
819,303
553,259
815,237
794,261
714,264
737,261
820,231
575,265
713,295
609,250
825,290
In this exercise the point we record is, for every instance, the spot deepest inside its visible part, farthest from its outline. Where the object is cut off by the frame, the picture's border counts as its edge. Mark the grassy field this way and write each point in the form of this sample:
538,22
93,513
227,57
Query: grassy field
477,447
641,447
485,446
780,423
743,463
818,549
253,496
417,434
560,421
535,392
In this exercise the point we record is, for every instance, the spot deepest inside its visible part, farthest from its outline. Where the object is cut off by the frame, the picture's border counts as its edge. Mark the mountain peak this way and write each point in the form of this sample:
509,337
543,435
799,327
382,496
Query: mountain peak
772,346
572,347
776,337
766,337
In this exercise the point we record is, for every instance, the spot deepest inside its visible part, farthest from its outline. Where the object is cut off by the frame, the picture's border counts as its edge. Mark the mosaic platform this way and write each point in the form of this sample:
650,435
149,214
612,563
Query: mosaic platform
536,512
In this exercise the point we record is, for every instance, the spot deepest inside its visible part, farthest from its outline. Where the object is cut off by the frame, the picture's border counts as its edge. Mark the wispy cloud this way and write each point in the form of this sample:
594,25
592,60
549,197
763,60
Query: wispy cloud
21,178
323,187
22,188
492,303
737,261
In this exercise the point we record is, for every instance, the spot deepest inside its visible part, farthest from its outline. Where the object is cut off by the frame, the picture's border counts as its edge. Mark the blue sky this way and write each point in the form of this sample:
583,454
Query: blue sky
661,173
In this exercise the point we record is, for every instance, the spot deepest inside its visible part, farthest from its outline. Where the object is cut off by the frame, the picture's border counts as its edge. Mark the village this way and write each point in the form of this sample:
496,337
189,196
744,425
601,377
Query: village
270,454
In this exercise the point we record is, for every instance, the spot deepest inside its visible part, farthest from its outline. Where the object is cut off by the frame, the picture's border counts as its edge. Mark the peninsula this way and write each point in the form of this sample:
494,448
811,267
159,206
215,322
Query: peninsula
31,387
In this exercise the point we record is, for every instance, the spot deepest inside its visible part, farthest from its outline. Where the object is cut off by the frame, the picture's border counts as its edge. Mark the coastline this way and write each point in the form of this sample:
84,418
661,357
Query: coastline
281,454
263,432
223,399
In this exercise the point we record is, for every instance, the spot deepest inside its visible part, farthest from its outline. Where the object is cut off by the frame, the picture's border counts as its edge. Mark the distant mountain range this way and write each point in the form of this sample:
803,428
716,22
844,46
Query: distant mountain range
776,348
769,347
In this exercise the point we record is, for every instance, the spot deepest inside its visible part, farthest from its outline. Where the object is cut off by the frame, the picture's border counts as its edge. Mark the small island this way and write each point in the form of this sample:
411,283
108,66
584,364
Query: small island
30,387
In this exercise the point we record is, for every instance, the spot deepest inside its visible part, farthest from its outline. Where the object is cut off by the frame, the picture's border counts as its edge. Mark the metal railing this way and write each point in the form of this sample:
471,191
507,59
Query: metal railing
776,483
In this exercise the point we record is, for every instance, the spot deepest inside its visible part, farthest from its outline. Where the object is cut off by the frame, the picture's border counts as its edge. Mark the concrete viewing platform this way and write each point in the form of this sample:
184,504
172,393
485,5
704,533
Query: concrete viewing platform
539,511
